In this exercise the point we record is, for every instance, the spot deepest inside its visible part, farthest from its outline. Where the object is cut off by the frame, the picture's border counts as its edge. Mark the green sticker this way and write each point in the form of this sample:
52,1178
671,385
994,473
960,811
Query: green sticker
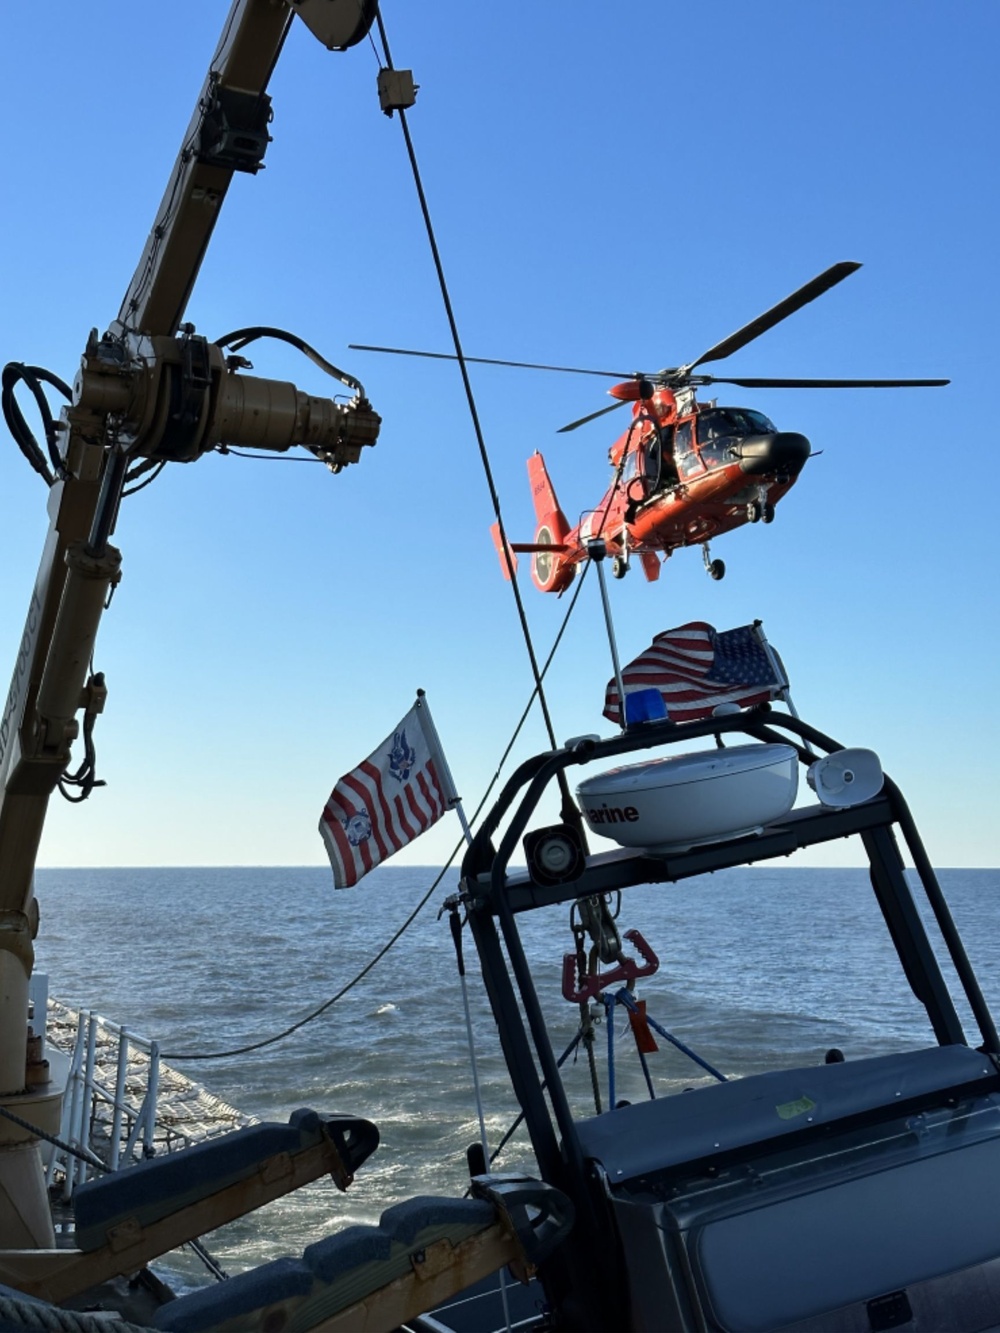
789,1110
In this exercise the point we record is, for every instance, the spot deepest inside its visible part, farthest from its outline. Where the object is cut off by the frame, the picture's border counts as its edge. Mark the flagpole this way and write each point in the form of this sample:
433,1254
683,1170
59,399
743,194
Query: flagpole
437,751
778,667
454,802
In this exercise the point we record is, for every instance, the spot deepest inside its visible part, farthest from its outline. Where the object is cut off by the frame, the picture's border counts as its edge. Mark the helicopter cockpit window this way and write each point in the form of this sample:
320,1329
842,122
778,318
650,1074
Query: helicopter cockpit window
732,422
760,424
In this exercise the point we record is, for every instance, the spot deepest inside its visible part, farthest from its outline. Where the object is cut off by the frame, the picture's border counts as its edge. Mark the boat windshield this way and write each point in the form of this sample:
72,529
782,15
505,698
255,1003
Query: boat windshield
726,422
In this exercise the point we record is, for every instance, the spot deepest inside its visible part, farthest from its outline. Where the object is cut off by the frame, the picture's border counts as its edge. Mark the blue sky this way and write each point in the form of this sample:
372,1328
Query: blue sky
610,187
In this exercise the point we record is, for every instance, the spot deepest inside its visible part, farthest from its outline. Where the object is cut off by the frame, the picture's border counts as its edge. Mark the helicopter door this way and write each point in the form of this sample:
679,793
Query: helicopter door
630,489
658,467
687,460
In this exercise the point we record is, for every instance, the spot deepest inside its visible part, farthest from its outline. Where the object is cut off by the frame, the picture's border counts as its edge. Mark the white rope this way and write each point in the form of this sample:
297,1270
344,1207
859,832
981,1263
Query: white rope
477,1091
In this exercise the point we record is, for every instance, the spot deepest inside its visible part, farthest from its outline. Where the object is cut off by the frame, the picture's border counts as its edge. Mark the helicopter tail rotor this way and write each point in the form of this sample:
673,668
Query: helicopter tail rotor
549,572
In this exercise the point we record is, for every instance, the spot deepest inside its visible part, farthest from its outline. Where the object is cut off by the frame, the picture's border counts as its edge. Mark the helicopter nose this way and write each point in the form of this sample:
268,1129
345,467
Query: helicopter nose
785,451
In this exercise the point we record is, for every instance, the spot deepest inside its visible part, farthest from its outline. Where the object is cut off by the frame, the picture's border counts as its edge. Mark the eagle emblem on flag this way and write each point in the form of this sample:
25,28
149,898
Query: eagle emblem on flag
401,757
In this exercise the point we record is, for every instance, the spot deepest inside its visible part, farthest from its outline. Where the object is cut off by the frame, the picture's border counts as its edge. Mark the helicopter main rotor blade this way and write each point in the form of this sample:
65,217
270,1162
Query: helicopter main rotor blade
493,361
601,412
820,284
824,384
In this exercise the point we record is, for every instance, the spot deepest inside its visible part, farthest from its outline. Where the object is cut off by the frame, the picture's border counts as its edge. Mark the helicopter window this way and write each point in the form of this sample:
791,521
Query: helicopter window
761,425
651,461
728,422
631,462
686,459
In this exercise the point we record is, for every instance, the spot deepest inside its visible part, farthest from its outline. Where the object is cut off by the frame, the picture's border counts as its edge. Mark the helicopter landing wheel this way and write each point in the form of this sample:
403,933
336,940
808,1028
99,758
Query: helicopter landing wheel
755,511
716,570
767,513
619,566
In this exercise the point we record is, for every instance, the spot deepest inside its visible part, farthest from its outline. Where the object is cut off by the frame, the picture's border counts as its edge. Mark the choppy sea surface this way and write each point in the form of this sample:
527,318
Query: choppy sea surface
759,968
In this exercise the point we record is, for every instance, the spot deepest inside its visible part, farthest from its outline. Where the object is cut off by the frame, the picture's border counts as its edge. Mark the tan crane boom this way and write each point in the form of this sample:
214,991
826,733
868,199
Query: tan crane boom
152,389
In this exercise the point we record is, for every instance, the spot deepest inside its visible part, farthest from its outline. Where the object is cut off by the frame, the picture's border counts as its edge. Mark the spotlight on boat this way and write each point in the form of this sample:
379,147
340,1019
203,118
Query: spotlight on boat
846,778
554,855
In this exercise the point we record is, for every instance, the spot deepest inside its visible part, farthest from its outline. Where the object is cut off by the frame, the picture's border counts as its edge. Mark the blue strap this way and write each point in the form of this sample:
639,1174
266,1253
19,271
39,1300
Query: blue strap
609,1018
645,1070
624,996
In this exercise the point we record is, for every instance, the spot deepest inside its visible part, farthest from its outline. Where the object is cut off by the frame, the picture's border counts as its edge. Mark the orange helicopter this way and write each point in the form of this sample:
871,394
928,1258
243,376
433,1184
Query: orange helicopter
684,472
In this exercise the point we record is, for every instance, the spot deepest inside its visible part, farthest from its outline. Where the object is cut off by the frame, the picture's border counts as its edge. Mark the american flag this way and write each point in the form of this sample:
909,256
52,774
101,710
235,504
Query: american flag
696,669
393,796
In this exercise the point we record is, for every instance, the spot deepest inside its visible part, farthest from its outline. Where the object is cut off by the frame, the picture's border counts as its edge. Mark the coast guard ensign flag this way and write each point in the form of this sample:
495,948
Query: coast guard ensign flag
393,796
696,669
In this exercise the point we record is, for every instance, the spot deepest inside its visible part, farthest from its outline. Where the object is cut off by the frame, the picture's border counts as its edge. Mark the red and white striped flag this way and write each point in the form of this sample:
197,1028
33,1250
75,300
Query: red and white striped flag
393,796
696,668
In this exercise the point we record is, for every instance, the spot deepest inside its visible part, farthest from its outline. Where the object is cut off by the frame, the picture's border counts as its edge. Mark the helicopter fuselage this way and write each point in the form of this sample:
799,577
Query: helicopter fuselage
684,472
680,481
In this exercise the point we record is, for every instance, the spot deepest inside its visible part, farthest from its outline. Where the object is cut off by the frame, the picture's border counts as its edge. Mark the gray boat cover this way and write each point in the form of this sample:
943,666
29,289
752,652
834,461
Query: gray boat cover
795,1258
690,1126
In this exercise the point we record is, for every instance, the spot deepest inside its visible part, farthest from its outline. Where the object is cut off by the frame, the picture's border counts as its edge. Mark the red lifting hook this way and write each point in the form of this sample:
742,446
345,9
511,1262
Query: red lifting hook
627,970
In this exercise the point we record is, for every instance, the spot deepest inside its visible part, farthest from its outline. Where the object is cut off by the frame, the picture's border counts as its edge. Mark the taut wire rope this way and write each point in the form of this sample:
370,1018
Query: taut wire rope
470,399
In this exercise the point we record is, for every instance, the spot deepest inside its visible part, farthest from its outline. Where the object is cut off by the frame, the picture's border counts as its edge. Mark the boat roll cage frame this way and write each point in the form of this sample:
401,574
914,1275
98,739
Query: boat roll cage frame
494,895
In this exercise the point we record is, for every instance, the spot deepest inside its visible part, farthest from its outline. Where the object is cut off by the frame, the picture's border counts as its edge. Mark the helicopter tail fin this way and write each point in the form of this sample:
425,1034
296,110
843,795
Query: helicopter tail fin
508,560
550,572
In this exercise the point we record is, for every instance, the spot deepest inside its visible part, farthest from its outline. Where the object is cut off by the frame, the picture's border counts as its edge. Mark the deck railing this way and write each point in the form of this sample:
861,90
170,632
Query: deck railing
110,1105
121,1103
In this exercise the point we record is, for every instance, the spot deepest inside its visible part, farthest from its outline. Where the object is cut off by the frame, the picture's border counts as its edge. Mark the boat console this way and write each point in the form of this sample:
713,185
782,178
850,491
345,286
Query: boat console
854,1195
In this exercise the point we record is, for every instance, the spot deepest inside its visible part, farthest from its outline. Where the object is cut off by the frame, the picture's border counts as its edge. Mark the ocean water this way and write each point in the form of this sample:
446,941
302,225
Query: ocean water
759,968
